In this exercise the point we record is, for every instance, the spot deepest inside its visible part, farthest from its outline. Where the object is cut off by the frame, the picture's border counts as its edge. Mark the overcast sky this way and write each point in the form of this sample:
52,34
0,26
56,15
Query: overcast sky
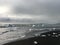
31,11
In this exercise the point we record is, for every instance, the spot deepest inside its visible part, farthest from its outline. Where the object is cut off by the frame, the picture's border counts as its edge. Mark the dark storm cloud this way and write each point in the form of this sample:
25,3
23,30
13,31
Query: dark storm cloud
33,7
37,7
47,8
30,7
40,10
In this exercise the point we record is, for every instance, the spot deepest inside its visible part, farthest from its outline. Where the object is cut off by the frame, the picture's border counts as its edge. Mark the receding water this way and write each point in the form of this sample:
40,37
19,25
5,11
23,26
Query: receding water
11,33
